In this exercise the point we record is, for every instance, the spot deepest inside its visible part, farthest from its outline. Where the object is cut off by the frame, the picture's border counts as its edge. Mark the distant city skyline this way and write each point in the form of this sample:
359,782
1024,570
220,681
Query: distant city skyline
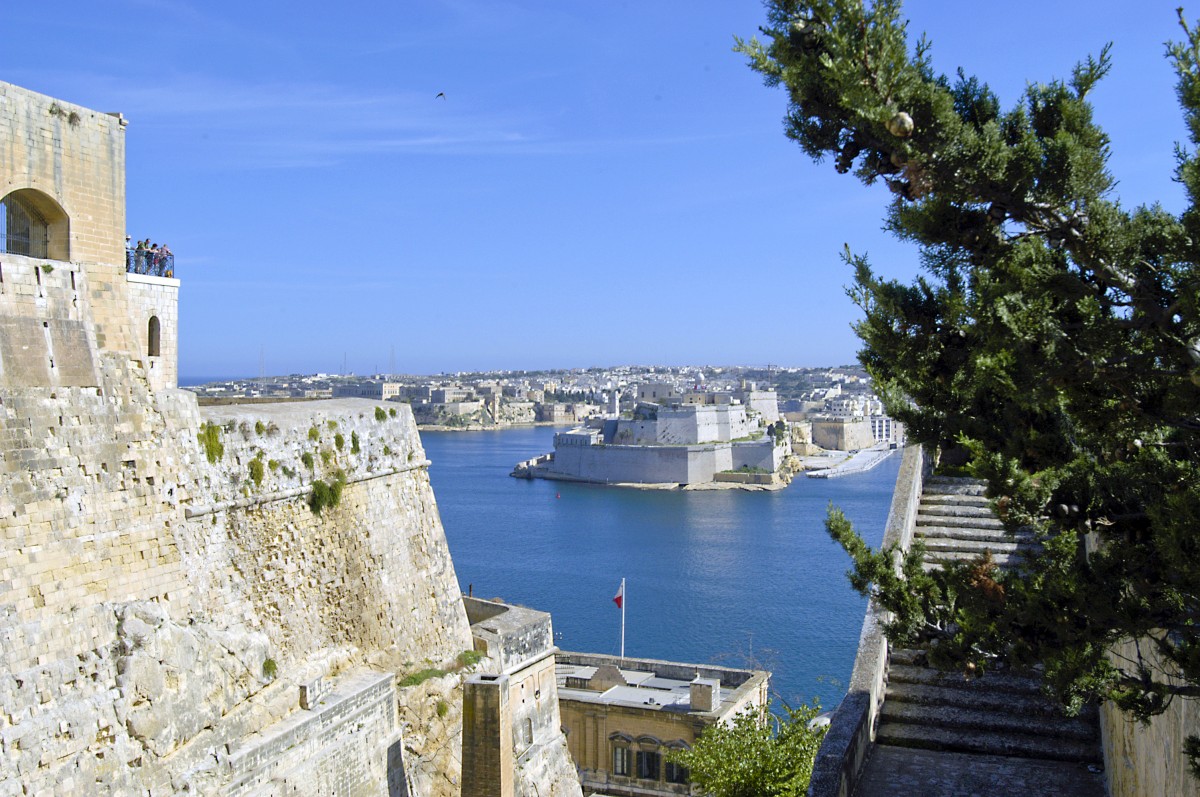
600,183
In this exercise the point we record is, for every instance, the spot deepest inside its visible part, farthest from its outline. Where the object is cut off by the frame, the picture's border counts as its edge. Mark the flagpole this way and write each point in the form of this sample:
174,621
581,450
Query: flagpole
622,619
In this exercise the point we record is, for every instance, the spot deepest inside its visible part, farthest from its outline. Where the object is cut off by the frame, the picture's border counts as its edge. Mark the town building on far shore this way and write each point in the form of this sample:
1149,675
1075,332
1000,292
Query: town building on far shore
623,715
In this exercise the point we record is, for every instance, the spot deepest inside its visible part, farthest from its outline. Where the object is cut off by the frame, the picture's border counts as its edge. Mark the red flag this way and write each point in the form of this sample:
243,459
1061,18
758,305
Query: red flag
619,598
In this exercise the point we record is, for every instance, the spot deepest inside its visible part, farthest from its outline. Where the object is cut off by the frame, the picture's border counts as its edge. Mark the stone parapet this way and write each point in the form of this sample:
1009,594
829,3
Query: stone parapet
852,728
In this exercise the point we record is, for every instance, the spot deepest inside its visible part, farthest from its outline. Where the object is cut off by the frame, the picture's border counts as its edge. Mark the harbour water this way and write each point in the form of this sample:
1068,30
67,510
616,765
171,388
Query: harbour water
725,576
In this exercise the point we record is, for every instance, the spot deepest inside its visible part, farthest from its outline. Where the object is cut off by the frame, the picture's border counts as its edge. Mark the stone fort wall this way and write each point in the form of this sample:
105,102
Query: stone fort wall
173,616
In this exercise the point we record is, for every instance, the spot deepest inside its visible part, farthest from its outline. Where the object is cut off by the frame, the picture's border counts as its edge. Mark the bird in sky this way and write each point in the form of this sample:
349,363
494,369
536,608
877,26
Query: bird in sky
441,94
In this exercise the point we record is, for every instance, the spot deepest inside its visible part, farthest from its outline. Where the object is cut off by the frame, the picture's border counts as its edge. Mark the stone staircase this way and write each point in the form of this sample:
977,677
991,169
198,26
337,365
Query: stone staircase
1003,713
956,523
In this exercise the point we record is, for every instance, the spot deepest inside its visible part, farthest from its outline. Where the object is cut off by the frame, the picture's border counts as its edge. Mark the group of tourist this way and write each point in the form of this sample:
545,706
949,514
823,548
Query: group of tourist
150,258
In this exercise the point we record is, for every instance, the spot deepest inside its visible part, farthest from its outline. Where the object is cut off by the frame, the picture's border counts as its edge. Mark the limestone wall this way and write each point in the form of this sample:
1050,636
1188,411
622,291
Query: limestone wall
372,573
74,156
56,316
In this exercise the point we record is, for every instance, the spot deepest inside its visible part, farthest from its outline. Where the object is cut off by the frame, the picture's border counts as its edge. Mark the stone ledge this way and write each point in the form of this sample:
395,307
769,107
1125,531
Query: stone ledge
294,492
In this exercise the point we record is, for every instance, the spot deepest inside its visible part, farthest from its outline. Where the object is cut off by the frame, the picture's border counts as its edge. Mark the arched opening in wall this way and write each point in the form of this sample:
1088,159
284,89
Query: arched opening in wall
152,336
34,225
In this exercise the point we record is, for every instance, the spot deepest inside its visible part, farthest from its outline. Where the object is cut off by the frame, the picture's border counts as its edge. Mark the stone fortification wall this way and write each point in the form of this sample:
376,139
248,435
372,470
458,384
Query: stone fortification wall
158,610
762,454
641,464
57,316
842,434
74,159
372,573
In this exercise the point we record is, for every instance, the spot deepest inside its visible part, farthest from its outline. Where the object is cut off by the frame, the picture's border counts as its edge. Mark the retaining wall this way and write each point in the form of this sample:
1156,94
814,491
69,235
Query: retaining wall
852,727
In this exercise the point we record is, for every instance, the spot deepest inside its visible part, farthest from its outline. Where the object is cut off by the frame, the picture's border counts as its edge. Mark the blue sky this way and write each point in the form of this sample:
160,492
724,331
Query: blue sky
603,183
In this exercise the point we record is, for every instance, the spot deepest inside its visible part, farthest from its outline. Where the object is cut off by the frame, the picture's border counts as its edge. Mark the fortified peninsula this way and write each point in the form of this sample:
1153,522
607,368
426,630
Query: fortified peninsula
692,440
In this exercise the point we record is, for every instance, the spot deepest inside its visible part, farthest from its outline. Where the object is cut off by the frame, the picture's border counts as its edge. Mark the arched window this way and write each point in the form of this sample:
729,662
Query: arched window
33,224
152,335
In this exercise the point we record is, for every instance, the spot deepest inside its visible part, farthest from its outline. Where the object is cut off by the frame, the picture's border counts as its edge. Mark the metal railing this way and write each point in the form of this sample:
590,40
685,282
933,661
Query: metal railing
155,264
22,245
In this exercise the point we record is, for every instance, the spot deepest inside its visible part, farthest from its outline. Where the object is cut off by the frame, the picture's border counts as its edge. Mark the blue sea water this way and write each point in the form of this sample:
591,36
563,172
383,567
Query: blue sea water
727,576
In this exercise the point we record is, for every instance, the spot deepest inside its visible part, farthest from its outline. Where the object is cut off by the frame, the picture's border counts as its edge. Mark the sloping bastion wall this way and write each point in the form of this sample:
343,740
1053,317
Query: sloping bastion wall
163,614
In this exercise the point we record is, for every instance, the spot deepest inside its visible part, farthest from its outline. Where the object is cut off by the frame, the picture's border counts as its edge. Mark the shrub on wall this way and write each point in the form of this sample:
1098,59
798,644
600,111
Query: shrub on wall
339,441
380,415
354,449
210,441
256,471
325,495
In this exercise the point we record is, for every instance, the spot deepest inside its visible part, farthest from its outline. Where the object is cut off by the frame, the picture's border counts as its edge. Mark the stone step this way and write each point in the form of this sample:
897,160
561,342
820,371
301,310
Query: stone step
1005,561
954,510
940,485
1004,744
955,499
992,682
940,545
982,535
959,521
1001,702
978,719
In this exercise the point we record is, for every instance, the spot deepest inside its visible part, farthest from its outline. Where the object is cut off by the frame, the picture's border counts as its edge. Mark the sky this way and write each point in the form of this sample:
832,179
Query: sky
603,183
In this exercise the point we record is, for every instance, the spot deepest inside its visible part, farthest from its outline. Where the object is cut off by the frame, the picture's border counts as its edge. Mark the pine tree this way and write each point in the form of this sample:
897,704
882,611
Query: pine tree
1052,343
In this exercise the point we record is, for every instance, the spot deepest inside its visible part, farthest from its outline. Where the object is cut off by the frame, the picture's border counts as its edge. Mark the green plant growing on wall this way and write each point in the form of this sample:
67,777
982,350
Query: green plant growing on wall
392,411
421,676
307,459
273,464
380,414
323,495
259,428
442,708
256,471
326,456
331,424
354,449
469,658
387,451
210,440
314,434
47,268
289,472
269,668
339,441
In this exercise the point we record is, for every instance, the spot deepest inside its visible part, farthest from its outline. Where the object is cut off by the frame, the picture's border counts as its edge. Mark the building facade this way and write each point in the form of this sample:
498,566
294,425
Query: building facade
624,716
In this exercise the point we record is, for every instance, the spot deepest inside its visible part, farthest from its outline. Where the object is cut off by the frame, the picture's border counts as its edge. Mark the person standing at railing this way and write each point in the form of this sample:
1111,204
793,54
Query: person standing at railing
139,258
166,262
